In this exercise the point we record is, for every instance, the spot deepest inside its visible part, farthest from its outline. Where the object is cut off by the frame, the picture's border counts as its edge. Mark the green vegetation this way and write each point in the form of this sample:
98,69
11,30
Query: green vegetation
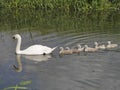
50,15
45,23
15,88
25,82
66,6
20,86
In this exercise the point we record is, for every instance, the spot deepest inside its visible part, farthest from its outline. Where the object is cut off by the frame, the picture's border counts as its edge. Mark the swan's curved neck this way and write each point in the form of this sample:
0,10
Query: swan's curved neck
18,45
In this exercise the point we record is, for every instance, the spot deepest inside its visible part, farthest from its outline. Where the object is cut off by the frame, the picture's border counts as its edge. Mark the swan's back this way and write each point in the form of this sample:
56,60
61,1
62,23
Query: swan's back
37,49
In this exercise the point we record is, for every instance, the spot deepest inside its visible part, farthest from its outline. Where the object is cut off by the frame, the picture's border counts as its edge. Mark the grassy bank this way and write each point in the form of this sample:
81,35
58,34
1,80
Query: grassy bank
66,6
62,14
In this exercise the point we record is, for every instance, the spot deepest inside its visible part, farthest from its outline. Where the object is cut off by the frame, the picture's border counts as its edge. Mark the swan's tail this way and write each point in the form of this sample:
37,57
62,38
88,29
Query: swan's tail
54,48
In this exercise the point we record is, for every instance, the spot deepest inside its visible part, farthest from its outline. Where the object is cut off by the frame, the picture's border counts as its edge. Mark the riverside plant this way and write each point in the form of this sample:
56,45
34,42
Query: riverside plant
61,5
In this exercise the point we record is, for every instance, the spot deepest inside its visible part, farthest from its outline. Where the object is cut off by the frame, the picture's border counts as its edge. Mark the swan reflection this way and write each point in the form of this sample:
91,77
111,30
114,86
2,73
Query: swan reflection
19,67
36,58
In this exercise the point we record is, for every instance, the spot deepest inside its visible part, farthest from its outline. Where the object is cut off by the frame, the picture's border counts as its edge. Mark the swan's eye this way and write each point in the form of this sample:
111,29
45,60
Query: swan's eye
14,37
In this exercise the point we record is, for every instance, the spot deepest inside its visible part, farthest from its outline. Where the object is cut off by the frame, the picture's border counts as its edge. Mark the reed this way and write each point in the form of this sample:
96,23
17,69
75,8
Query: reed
56,22
63,14
66,6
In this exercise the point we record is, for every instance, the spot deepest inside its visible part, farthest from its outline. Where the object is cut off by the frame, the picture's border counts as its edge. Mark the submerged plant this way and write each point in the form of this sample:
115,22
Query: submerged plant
25,82
15,88
20,86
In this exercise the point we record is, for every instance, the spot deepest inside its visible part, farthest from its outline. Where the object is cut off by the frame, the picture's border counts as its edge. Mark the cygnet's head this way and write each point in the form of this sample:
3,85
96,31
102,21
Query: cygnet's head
109,42
79,46
67,48
61,48
95,43
86,46
16,36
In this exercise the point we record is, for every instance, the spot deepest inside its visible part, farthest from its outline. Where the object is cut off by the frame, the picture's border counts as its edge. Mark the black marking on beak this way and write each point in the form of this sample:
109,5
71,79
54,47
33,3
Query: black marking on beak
13,37
44,54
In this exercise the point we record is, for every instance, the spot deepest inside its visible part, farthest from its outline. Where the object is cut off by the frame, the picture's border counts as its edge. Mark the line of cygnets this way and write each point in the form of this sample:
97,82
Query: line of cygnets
85,48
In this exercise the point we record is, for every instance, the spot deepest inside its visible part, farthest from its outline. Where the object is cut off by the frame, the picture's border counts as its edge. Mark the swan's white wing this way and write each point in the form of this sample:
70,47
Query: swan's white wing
37,49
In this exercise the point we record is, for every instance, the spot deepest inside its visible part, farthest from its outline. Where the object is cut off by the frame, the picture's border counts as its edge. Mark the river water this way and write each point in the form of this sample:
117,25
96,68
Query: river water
85,71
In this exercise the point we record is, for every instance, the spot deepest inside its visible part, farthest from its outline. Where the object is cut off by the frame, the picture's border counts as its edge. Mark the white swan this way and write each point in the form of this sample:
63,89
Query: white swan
99,46
32,50
89,49
111,45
